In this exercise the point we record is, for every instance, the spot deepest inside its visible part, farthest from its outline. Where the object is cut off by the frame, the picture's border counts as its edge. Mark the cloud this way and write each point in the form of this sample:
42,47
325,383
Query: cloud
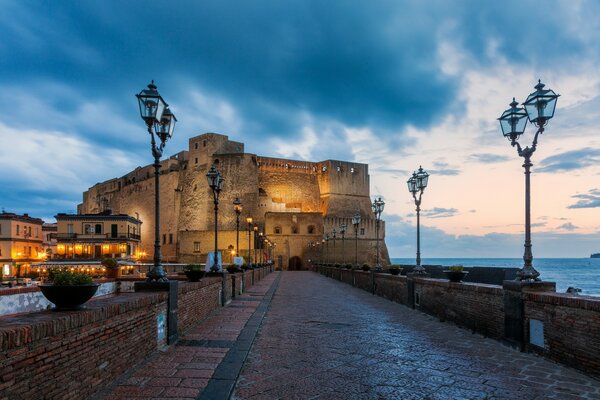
568,226
570,160
589,200
437,212
488,158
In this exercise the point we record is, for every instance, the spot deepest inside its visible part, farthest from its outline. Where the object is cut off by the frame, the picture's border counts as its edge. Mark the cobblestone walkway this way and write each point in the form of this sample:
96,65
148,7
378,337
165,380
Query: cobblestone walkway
322,339
206,361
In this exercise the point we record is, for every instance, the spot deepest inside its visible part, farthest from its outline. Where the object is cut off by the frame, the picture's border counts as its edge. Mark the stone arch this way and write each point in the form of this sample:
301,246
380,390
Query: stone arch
295,264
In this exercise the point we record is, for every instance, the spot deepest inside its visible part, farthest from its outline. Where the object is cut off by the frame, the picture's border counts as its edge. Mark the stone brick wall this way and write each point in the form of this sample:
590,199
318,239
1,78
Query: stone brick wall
571,328
197,300
71,355
474,306
391,287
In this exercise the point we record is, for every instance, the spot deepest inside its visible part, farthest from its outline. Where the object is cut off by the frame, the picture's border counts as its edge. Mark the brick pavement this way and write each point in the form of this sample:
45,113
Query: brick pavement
322,339
205,362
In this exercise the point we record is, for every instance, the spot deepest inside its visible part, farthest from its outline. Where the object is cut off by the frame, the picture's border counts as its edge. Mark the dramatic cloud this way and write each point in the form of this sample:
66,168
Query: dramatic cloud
589,200
567,226
570,160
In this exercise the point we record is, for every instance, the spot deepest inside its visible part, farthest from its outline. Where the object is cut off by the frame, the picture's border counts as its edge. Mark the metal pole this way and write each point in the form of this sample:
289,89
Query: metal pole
418,264
377,242
343,251
237,235
356,244
216,258
528,255
157,273
249,252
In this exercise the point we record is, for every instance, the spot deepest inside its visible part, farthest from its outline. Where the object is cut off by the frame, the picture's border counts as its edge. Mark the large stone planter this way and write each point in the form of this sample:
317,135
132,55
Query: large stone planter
69,297
194,276
455,276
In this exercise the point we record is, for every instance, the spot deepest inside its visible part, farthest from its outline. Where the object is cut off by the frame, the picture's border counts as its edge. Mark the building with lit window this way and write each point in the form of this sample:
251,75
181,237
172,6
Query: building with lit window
97,236
20,243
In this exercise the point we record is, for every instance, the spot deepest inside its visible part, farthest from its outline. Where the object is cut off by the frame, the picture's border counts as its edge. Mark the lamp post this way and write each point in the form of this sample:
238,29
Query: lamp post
160,122
237,207
327,249
323,251
539,109
417,184
260,246
356,222
255,228
249,222
377,208
215,182
333,233
343,233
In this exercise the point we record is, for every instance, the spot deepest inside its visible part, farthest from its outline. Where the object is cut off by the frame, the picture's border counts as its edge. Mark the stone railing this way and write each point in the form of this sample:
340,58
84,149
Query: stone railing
530,316
74,354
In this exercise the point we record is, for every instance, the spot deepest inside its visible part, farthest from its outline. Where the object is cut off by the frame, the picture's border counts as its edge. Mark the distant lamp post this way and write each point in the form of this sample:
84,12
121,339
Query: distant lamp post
323,260
333,236
255,228
237,207
539,109
377,208
327,249
356,222
215,182
260,246
161,123
249,222
417,184
343,233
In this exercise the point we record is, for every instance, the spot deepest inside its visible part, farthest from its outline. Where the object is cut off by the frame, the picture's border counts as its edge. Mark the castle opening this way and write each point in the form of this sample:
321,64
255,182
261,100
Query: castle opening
295,264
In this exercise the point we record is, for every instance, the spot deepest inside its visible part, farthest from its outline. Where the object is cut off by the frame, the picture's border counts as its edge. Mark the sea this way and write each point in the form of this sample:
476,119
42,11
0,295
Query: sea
582,273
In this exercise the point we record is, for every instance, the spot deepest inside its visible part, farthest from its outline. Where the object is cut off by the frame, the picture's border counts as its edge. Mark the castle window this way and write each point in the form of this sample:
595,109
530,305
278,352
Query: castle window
294,229
311,229
352,170
204,143
164,238
261,192
196,247
277,230
170,238
324,168
196,160
97,229
216,162
362,231
196,145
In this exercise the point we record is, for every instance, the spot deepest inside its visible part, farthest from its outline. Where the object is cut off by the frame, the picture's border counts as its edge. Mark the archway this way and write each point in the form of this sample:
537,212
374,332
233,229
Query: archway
295,264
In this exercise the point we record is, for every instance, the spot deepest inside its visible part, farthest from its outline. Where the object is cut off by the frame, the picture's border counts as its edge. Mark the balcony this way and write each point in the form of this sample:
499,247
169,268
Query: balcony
94,236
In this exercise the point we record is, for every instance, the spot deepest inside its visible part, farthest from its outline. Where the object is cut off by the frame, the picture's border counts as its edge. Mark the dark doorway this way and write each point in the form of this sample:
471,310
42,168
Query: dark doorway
295,264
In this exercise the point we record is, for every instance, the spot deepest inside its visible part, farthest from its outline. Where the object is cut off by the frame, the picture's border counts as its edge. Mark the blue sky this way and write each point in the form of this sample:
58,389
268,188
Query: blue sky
395,84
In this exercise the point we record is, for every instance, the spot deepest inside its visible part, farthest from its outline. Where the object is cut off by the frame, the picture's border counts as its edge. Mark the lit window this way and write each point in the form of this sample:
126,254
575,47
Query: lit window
18,230
196,247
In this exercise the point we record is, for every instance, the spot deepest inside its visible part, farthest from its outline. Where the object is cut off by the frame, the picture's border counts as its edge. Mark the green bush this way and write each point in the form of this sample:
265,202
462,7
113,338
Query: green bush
110,263
456,268
194,267
348,266
337,265
68,278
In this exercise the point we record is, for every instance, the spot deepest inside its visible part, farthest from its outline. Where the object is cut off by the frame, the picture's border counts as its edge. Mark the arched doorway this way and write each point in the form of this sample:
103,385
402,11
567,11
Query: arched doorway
295,264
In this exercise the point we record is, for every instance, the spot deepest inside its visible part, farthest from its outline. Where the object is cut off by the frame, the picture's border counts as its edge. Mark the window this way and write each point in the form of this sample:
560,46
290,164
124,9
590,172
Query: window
362,231
294,229
277,230
98,229
170,238
87,229
196,247
164,238
196,145
311,229
196,160
70,229
18,230
204,143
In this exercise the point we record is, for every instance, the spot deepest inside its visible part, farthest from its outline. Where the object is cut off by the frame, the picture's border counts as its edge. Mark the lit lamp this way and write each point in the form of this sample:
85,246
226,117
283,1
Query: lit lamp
539,109
377,208
417,184
215,182
160,122
356,222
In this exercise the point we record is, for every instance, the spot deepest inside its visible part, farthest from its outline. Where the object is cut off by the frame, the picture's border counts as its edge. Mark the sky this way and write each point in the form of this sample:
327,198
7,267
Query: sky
395,84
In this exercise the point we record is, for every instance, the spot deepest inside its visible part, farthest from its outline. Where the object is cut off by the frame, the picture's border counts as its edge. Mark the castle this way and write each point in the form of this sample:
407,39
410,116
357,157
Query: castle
293,202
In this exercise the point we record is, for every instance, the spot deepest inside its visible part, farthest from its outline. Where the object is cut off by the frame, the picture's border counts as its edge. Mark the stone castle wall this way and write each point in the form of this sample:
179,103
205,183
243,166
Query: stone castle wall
267,186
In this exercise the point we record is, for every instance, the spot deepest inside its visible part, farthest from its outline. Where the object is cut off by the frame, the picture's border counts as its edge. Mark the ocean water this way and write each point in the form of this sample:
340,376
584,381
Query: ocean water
583,273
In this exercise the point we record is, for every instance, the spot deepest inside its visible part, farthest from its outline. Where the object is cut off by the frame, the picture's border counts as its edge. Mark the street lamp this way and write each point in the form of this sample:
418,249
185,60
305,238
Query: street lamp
333,233
260,246
215,182
343,233
249,222
327,249
160,122
417,184
539,109
255,228
377,208
237,207
356,222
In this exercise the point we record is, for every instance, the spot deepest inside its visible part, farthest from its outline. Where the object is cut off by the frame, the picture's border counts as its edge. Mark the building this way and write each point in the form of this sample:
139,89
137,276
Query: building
97,236
20,243
293,203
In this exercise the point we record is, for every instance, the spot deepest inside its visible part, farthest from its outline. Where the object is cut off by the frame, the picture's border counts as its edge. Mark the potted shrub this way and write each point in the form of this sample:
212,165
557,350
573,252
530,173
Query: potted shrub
337,265
395,269
365,267
69,290
112,267
348,266
194,272
455,273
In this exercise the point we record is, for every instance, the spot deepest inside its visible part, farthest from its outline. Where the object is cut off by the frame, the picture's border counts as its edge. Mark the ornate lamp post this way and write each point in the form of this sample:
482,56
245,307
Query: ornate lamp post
237,207
377,208
323,251
333,233
215,182
161,123
417,184
343,233
356,222
327,249
255,228
260,246
249,222
539,109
